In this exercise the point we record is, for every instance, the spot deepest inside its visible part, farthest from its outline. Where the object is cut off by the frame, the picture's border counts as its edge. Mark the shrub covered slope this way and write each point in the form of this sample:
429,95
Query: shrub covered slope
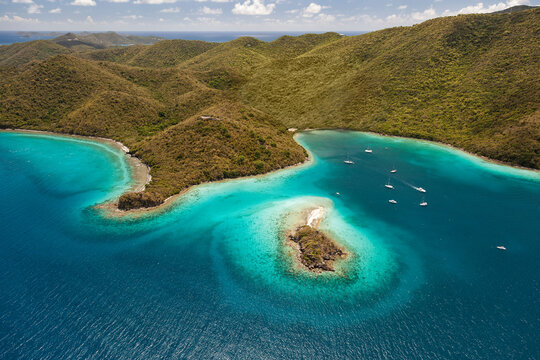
471,81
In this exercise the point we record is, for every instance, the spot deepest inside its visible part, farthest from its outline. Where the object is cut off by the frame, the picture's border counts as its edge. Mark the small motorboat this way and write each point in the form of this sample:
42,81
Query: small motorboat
392,201
419,189
368,150
423,203
501,248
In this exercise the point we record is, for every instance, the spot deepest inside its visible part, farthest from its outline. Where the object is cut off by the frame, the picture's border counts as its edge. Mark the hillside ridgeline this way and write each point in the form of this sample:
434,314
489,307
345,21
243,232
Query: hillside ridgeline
197,111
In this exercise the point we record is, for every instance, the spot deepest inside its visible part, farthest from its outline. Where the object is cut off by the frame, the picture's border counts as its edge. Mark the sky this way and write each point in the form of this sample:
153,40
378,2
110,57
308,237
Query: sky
232,15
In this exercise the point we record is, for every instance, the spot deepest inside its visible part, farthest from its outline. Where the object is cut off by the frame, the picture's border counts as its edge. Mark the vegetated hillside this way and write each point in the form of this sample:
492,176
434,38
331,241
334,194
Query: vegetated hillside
471,81
514,9
237,141
166,53
22,53
155,112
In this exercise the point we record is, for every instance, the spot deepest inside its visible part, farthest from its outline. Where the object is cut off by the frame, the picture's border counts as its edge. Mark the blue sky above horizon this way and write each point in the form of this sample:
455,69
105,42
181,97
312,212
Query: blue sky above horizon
232,15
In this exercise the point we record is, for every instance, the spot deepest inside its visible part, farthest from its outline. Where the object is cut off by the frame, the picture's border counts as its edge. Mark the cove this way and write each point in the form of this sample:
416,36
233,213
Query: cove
209,279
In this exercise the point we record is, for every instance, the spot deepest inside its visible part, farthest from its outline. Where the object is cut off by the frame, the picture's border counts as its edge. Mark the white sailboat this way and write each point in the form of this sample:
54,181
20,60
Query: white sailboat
419,189
501,248
388,185
393,171
423,203
368,150
348,161
392,201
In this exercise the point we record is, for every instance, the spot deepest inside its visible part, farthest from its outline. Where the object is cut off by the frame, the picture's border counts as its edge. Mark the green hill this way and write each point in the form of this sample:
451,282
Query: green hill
470,81
22,53
165,53
514,9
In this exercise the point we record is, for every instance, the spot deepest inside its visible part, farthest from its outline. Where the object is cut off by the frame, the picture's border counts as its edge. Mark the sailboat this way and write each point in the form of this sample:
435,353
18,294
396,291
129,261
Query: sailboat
393,171
368,150
419,189
423,203
392,201
348,161
388,186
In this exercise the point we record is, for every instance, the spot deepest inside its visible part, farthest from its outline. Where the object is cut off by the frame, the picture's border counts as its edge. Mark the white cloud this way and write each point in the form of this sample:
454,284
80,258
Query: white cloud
161,19
402,7
55,11
214,1
294,11
132,17
17,19
326,18
83,3
118,1
89,19
34,9
154,2
209,11
23,1
170,10
312,9
412,18
208,20
253,7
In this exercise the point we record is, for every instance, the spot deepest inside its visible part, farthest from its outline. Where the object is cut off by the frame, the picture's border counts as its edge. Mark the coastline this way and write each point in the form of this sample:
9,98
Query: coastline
111,210
140,175
140,172
430,142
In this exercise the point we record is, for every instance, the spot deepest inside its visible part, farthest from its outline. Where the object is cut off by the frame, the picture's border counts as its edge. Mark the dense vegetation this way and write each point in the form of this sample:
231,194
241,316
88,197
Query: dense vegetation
471,81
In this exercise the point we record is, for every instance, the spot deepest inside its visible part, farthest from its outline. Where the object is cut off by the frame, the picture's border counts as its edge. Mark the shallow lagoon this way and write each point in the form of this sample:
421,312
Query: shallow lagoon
208,278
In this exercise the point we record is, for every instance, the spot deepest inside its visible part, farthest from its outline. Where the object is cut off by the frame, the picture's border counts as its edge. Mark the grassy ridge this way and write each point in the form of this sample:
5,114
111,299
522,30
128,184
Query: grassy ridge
471,81
22,53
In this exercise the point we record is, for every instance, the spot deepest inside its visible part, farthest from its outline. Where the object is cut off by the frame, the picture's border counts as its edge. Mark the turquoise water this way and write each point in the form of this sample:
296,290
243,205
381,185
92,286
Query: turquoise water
210,279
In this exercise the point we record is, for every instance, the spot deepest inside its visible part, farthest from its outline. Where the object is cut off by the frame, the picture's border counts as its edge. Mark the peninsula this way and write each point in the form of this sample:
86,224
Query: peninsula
197,111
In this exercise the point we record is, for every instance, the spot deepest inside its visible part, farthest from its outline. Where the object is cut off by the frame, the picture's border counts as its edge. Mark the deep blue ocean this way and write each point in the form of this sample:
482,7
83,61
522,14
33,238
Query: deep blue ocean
209,278
10,37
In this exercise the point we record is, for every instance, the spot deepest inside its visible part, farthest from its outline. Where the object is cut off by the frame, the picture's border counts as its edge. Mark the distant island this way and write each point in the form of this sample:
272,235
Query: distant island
197,111
30,34
91,41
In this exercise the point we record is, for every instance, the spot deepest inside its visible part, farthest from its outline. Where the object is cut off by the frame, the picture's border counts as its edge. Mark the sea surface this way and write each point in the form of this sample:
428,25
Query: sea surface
10,37
209,279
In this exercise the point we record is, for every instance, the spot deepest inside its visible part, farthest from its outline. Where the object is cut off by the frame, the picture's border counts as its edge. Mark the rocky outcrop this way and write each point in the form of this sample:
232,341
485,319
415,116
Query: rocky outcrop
317,251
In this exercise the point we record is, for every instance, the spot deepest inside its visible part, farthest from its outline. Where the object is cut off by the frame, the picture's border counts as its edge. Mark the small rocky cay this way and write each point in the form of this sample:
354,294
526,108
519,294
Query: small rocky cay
314,249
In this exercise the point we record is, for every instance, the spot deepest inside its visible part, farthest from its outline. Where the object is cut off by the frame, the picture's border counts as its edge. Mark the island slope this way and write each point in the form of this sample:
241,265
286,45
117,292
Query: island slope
470,81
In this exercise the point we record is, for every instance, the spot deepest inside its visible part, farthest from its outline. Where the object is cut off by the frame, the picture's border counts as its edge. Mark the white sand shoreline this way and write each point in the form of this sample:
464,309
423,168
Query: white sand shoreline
140,172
